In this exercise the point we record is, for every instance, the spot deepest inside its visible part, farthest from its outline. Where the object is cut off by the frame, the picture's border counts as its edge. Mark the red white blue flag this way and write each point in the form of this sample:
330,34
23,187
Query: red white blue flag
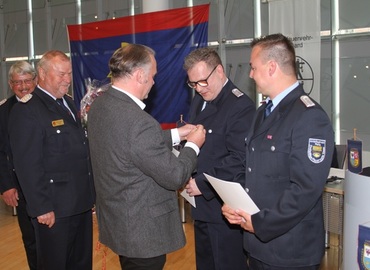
173,34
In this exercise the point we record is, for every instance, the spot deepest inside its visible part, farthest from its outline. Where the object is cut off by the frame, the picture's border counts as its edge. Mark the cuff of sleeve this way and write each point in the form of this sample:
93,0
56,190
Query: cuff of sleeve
175,136
193,146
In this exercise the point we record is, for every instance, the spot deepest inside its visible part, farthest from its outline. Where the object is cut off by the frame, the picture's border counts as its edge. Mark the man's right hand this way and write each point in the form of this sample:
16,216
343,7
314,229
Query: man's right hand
47,219
197,136
10,197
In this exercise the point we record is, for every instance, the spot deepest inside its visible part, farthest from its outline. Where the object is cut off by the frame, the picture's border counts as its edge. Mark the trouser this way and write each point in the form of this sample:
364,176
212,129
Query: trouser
155,263
28,233
219,246
67,245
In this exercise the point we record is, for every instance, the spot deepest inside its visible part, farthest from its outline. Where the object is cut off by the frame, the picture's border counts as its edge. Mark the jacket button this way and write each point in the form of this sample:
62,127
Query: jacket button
247,190
272,148
210,131
51,181
249,169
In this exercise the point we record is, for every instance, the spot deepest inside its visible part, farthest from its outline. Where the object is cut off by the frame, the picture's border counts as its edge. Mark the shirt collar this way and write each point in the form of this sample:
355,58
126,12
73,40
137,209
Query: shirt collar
135,99
282,95
46,92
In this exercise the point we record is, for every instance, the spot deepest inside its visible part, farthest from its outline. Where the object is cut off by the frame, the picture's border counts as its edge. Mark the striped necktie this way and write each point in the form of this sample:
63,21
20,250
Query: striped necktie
268,108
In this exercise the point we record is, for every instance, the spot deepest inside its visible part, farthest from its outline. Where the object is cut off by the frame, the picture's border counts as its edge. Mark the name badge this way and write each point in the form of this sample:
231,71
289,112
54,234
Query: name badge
57,123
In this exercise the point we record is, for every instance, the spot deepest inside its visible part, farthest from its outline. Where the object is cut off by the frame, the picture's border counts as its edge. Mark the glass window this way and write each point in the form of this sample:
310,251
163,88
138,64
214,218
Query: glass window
354,14
355,89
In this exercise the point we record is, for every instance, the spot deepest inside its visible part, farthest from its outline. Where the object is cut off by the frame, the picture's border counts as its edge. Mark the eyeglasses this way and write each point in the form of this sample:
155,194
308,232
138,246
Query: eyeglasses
202,83
20,82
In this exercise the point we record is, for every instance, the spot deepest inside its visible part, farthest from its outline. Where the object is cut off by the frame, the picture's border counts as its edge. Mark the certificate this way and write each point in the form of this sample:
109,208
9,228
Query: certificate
189,198
233,194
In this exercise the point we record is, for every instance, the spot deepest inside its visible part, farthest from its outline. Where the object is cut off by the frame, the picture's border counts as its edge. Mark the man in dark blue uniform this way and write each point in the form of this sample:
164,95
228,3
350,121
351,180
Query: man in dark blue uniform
226,114
51,159
22,81
288,156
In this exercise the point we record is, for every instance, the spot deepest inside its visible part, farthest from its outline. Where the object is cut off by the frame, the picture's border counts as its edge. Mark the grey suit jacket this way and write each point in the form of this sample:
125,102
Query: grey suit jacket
136,178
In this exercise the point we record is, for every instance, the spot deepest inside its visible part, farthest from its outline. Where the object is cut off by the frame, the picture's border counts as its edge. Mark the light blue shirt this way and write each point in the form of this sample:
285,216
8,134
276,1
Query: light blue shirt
282,95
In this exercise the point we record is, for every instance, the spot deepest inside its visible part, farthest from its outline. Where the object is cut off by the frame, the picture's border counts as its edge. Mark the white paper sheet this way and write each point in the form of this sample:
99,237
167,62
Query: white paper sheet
233,194
190,199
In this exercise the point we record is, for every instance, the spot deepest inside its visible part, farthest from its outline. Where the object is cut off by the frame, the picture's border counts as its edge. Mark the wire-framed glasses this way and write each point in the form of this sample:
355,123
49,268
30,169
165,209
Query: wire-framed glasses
20,82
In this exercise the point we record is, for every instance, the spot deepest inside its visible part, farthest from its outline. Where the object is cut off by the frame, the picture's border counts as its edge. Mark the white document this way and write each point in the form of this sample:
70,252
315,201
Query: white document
190,199
233,194
183,193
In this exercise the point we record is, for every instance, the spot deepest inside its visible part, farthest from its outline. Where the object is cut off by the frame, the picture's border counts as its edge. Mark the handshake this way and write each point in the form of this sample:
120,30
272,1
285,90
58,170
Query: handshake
193,133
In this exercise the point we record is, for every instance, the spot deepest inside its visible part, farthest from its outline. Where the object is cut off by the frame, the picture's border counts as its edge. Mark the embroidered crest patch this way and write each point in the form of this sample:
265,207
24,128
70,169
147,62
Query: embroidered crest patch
316,150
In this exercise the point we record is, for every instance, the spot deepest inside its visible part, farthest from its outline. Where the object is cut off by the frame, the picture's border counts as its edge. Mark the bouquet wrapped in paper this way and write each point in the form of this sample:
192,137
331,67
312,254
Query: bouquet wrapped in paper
94,88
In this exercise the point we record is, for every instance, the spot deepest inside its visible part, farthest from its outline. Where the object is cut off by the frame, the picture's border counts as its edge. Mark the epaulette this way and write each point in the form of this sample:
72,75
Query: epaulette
26,98
307,101
237,92
3,101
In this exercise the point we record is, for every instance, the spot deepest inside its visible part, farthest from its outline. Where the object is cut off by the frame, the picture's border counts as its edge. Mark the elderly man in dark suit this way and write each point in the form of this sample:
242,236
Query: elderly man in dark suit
22,81
288,157
226,113
136,174
52,162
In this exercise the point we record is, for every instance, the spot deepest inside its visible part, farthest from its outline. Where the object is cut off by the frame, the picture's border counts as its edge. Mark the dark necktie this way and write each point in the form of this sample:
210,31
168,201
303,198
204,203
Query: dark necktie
64,107
268,108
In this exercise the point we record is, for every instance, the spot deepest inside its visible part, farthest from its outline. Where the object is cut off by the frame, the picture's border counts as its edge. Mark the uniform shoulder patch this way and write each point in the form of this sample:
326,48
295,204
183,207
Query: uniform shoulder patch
316,150
307,101
26,98
3,101
237,92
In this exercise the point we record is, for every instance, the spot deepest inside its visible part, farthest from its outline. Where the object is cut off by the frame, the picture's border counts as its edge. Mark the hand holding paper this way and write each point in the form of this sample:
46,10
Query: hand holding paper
238,217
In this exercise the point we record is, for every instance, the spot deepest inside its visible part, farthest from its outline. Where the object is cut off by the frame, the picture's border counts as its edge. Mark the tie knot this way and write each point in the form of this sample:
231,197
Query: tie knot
64,107
60,101
268,108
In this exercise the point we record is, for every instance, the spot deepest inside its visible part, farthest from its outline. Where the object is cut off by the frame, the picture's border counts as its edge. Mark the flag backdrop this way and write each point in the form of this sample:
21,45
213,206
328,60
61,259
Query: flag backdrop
173,34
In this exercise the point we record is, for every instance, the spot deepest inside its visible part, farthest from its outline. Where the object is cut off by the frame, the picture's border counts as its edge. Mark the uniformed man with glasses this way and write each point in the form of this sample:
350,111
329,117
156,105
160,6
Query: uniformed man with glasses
22,81
226,114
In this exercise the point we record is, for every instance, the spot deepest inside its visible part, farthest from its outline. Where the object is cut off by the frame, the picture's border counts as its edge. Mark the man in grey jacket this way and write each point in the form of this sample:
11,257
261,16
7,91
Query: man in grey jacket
136,174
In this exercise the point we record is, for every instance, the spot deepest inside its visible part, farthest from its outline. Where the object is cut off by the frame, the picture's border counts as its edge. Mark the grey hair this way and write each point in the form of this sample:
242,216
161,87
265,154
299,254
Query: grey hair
127,59
21,68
